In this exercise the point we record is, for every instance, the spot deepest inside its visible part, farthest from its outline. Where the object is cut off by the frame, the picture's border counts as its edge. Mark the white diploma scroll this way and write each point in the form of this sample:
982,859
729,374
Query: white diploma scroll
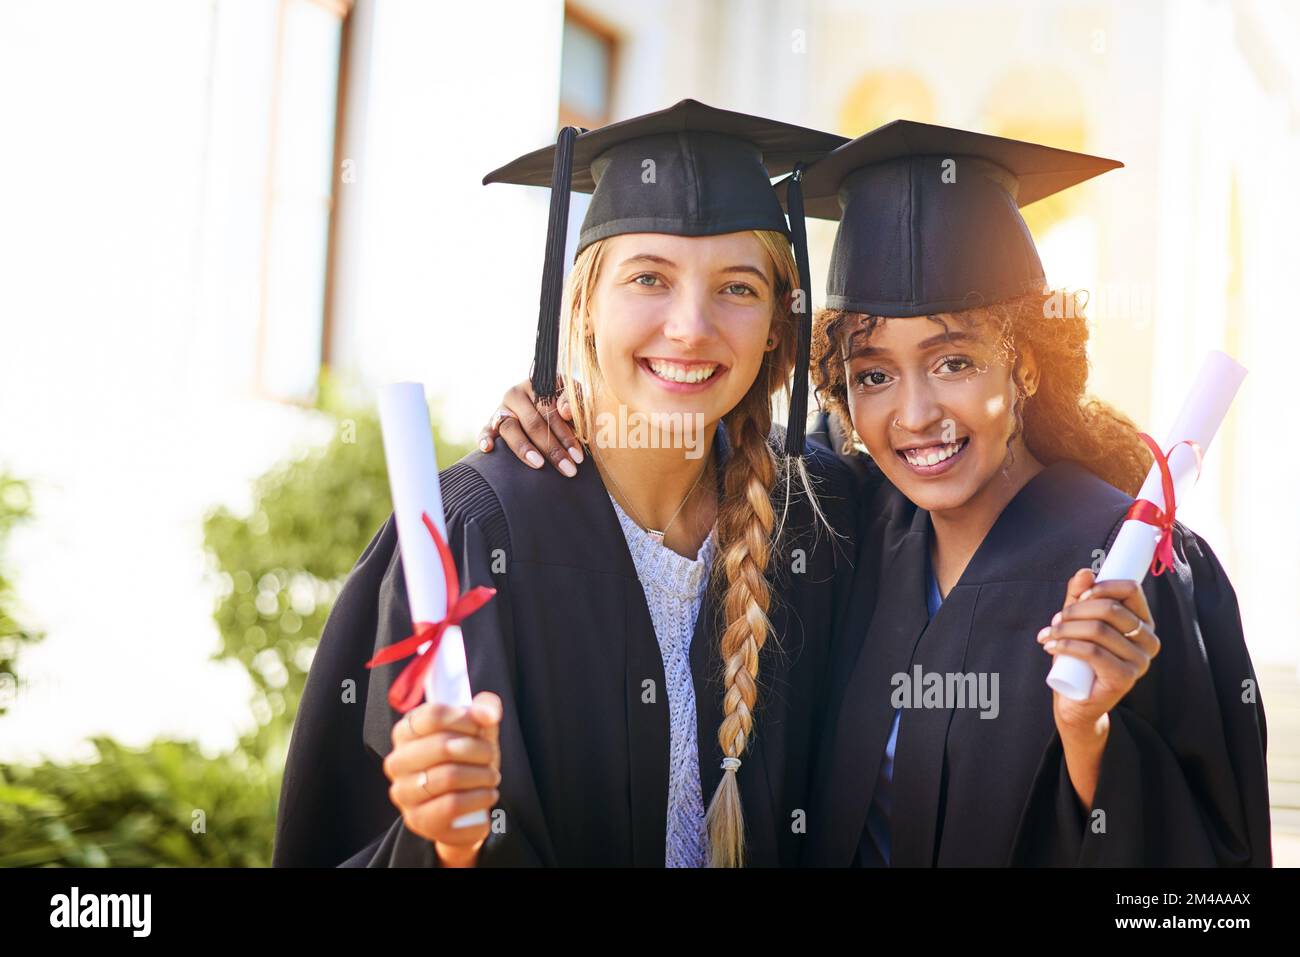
413,480
1130,557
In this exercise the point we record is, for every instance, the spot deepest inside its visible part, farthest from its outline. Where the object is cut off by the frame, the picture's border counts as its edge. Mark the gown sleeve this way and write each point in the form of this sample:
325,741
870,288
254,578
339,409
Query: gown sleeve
1183,780
334,797
837,489
334,804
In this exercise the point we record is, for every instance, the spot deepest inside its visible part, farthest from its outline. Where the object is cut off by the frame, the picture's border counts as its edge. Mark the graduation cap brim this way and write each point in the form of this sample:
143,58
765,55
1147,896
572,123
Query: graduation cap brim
1039,171
782,144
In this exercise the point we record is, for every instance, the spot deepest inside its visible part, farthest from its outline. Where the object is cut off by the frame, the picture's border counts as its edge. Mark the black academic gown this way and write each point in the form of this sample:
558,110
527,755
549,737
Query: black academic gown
824,430
568,644
1182,780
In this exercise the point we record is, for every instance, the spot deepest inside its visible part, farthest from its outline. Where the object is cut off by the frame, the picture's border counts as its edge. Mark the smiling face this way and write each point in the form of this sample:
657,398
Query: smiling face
681,323
934,407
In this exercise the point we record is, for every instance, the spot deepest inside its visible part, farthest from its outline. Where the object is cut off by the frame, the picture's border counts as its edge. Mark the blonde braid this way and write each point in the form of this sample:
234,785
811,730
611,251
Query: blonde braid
745,523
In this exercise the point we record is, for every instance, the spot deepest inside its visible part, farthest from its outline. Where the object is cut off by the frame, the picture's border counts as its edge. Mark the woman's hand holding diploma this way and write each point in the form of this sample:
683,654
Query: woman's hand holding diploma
457,750
1108,625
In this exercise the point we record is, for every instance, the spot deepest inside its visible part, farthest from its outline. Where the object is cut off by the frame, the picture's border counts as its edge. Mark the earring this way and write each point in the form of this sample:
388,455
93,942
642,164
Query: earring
770,342
1017,410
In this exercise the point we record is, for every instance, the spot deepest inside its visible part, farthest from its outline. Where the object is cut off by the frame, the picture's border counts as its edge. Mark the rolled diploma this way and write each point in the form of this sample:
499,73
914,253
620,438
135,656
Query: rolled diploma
1130,557
413,479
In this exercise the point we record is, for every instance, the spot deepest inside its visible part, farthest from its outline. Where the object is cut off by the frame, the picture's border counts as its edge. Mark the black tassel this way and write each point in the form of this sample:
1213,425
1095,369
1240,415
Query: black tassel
794,431
546,353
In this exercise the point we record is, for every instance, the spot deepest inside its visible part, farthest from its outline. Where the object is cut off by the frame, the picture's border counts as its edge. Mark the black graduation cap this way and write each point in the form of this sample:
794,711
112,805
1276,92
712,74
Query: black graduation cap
930,219
689,170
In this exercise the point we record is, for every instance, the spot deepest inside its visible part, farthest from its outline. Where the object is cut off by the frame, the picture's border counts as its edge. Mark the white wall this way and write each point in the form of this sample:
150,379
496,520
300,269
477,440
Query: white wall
130,198
446,286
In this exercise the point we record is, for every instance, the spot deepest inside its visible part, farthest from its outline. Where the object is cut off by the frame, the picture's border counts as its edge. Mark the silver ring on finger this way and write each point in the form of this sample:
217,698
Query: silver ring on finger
498,415
423,781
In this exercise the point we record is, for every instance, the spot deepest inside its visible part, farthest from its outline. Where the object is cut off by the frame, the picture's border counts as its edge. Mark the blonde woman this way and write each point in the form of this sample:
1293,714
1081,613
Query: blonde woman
648,667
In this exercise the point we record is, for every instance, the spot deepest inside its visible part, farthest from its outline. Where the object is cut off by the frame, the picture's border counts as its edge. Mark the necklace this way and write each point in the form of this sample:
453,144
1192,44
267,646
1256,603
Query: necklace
656,534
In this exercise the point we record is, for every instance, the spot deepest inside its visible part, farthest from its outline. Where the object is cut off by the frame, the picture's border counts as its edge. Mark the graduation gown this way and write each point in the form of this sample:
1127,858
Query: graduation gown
1182,780
568,644
825,430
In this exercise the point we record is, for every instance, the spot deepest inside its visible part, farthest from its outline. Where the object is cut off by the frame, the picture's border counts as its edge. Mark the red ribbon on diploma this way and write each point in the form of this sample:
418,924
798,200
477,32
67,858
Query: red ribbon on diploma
1144,510
407,690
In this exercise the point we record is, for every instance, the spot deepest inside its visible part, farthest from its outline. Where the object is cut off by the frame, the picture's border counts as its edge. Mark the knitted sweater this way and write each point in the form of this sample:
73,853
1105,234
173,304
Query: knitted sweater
674,589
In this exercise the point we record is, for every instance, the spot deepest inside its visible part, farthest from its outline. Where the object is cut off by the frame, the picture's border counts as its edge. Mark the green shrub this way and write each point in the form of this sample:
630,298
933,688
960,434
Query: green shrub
276,574
167,804
15,508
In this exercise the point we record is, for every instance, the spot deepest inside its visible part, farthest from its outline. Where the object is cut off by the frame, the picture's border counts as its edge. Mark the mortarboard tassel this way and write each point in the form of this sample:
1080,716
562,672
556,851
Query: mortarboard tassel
794,432
546,353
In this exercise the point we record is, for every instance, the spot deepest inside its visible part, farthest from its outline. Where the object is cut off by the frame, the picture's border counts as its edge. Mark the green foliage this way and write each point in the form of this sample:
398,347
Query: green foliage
165,805
280,569
276,574
15,508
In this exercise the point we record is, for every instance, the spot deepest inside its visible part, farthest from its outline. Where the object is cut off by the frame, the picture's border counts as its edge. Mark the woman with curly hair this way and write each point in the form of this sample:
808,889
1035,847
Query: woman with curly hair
1004,483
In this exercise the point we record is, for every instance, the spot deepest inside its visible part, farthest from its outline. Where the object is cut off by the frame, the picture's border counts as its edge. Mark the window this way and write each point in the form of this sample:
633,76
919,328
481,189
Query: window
587,62
298,197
